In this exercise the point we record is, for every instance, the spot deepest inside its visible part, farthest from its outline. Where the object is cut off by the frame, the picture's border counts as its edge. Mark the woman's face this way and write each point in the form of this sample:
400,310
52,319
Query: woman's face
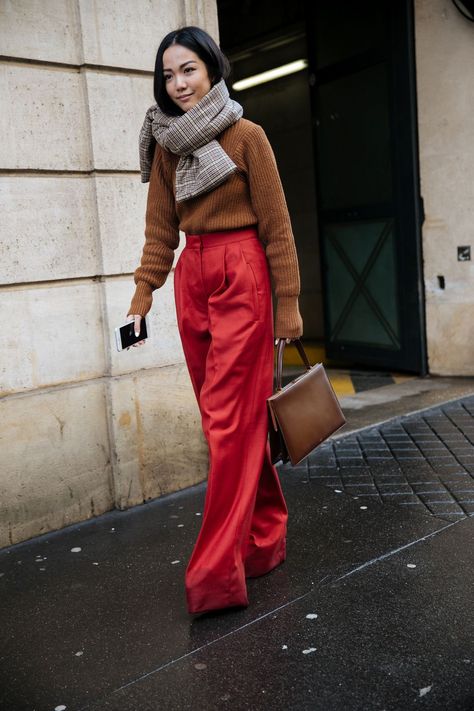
186,77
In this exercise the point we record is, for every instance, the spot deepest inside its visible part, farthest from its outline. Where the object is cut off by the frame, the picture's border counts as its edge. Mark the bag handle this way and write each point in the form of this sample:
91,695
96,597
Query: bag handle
280,350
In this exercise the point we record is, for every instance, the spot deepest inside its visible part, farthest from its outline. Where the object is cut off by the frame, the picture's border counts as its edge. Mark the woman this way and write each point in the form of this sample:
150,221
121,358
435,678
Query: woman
213,175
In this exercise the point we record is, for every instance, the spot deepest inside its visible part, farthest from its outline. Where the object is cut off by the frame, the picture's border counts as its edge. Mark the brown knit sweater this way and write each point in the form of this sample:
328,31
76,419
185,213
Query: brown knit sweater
253,195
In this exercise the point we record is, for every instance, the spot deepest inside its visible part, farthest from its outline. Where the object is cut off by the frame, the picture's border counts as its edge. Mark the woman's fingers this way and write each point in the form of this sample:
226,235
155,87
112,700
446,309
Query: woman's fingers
288,340
138,320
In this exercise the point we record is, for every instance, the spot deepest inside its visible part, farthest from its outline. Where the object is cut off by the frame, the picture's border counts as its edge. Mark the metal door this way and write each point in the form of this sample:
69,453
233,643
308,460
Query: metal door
362,83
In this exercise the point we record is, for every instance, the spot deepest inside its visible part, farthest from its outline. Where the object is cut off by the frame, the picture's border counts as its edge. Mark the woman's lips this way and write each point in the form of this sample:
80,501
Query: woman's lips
185,97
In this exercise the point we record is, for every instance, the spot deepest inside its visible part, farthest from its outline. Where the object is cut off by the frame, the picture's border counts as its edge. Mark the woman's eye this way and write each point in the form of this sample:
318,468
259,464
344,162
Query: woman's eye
166,77
188,70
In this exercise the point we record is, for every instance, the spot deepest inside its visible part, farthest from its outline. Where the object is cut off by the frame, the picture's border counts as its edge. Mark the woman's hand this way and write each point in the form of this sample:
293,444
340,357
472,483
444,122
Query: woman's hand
288,340
138,319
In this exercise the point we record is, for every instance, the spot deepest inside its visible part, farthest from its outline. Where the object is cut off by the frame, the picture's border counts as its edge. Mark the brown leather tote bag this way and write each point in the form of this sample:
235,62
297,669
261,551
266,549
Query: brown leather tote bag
302,414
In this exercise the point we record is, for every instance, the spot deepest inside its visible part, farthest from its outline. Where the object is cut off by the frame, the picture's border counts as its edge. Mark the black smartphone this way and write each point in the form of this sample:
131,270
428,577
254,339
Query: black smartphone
125,335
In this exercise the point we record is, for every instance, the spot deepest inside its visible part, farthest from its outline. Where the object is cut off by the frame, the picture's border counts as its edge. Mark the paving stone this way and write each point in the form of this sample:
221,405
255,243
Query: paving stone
354,479
354,447
350,461
427,437
388,467
467,461
413,505
369,436
322,462
439,508
422,471
393,479
436,497
455,478
328,480
396,439
362,470
349,483
424,461
413,476
428,447
398,498
445,469
412,458
402,446
462,486
323,473
386,488
362,491
378,459
427,487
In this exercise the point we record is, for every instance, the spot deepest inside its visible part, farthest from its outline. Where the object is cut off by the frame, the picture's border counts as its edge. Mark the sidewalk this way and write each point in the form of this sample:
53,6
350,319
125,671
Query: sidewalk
373,608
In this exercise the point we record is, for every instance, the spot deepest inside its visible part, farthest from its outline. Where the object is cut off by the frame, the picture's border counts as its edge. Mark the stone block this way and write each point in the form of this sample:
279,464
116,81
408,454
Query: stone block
159,445
203,13
30,30
48,228
43,120
163,346
450,332
54,335
444,49
121,204
55,460
117,33
117,107
448,217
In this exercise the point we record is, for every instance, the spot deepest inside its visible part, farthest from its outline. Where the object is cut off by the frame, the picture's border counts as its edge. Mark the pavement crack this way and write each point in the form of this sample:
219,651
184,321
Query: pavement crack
199,649
394,552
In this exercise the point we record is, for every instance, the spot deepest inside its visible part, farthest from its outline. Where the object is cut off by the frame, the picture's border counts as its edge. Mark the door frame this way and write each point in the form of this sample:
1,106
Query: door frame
399,54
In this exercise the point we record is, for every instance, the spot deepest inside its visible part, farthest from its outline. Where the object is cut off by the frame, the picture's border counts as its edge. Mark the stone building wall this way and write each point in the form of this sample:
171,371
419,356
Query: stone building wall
445,87
83,428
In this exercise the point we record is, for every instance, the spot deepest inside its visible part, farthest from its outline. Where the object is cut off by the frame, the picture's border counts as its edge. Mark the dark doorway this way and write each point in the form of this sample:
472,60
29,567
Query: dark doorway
257,37
364,120
344,134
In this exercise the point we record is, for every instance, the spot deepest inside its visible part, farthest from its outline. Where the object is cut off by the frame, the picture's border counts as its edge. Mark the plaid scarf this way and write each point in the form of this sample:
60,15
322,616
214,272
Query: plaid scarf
203,164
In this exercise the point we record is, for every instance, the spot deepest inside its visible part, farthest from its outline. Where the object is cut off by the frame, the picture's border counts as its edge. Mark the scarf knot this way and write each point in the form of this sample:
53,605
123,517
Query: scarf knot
203,163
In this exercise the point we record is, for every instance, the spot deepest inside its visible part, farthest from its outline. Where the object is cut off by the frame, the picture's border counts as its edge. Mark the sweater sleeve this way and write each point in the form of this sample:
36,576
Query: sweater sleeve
161,238
274,227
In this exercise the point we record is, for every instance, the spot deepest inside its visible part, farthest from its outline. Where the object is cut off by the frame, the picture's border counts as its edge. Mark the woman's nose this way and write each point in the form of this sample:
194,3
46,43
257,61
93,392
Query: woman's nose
180,81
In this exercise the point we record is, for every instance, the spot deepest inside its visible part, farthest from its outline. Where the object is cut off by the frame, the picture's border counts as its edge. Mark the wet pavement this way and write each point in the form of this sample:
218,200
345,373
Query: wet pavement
373,608
424,461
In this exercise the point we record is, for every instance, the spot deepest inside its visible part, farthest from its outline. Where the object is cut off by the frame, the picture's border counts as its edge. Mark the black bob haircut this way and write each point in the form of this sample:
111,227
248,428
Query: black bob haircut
202,44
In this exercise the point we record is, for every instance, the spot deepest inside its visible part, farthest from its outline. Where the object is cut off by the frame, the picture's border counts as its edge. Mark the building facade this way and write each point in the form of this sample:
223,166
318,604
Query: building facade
83,428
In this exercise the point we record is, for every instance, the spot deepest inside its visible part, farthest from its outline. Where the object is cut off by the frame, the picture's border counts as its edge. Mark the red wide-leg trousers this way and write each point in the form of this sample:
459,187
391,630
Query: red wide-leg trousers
224,310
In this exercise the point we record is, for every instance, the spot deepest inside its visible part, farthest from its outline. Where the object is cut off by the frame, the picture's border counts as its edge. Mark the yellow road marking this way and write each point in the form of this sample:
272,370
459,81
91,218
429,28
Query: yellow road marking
315,353
341,383
402,378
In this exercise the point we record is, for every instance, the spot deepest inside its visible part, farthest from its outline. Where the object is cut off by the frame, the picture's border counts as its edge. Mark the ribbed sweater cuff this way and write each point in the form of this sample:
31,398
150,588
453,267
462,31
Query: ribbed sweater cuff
142,299
288,321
